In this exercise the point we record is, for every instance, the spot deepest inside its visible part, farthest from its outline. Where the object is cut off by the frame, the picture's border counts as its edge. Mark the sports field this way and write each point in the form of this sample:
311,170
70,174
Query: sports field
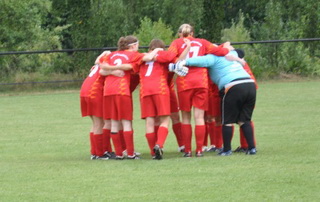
44,154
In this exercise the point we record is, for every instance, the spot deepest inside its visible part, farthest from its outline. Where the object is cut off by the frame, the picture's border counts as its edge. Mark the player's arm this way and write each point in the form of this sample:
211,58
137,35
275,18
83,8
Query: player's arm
186,50
231,57
151,56
124,67
220,50
118,73
104,53
201,61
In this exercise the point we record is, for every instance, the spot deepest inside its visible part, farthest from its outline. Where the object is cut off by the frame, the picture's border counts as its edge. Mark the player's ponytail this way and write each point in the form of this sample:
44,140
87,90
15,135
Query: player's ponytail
185,30
125,42
122,45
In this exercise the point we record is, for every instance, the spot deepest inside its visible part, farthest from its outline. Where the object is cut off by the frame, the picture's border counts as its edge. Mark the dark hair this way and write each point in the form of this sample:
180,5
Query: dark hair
124,42
240,52
156,43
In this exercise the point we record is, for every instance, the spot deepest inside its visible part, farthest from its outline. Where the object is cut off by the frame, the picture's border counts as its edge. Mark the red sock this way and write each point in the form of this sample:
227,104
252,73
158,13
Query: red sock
218,136
162,136
206,134
115,137
177,131
106,140
98,144
200,131
151,139
186,131
123,142
128,137
243,142
211,132
92,144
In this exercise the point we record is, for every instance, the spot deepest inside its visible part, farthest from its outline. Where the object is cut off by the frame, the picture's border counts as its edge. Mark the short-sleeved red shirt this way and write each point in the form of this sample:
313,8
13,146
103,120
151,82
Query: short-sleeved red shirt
121,85
93,84
154,74
197,76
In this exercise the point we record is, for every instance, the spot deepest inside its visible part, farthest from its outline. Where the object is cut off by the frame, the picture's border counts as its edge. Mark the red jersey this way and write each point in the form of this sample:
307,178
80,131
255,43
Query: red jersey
154,74
197,76
121,85
248,70
93,84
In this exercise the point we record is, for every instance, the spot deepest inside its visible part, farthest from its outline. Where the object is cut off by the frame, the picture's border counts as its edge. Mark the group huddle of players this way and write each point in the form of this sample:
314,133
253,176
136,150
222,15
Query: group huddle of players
166,93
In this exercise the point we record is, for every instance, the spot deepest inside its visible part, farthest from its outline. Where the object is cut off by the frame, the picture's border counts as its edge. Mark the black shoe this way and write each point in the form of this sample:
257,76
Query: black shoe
111,155
181,149
240,150
187,154
93,157
119,158
225,153
104,157
158,152
211,148
252,151
133,157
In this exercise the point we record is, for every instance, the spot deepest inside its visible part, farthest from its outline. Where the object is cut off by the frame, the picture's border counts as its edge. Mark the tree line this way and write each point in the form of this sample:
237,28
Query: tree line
68,24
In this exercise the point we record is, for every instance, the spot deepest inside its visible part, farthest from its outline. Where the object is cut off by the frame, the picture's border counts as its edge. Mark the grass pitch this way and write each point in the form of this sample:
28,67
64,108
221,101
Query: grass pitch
44,154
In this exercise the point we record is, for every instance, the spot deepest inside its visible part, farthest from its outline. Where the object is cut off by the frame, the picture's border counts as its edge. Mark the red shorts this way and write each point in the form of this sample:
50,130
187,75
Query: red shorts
174,105
196,97
91,106
214,108
117,107
155,105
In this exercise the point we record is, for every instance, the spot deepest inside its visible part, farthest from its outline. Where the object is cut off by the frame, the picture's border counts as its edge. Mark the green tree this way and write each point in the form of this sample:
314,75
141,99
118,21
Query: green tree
21,30
212,21
153,30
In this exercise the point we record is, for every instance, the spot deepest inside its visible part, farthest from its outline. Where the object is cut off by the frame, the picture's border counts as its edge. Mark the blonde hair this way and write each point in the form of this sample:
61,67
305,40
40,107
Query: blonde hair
125,42
185,30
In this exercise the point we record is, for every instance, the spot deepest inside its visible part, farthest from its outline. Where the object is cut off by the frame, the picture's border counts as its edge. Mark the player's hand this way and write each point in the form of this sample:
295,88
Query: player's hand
118,73
104,72
158,49
182,72
228,46
180,64
171,67
187,42
105,53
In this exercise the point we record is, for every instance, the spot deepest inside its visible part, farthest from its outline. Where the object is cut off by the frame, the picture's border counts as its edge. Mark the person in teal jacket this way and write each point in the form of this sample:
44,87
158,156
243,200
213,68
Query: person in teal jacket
238,93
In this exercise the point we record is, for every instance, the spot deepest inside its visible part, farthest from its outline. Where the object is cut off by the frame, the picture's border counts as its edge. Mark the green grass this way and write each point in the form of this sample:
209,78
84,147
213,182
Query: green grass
44,154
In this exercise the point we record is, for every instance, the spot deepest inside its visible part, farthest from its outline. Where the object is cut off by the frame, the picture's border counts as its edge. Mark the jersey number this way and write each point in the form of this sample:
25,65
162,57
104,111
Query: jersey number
150,68
95,69
193,52
117,62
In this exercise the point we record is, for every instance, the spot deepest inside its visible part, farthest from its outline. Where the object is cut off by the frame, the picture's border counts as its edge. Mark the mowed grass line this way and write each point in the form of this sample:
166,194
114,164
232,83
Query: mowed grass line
45,155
